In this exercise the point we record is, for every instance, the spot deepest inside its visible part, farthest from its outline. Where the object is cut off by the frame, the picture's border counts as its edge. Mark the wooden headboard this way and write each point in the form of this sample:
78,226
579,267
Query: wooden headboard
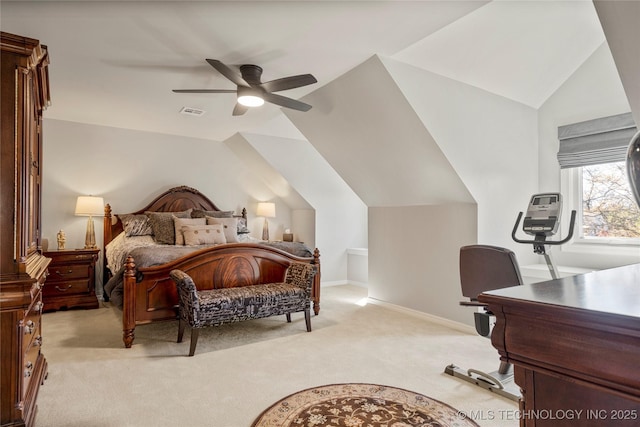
173,200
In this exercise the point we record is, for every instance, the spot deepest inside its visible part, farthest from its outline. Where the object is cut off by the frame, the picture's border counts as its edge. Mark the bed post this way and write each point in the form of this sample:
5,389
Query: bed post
106,233
316,282
129,303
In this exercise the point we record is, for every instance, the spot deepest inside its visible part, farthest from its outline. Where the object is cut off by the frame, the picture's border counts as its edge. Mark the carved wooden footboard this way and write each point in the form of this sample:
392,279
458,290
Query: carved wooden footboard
150,295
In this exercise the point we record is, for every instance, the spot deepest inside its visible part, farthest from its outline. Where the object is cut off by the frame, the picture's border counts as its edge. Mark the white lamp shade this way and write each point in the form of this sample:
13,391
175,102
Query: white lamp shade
266,209
89,206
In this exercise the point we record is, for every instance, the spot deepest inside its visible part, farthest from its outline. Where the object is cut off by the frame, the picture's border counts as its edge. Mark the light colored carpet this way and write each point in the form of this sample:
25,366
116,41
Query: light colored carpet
239,370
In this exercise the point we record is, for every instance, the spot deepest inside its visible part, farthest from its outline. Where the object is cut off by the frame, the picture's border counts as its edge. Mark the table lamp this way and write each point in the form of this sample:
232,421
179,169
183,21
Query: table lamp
89,206
267,210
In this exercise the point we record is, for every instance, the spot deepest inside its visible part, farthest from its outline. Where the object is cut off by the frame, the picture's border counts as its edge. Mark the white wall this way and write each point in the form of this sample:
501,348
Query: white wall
415,250
593,91
340,215
130,168
427,148
490,141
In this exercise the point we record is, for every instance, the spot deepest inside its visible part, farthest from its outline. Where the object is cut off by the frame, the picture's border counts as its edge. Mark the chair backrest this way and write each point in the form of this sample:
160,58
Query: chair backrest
484,268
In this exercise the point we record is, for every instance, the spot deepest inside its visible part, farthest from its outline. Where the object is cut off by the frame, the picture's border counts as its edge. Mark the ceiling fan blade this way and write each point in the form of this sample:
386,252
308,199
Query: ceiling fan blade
283,101
232,75
239,109
289,83
204,91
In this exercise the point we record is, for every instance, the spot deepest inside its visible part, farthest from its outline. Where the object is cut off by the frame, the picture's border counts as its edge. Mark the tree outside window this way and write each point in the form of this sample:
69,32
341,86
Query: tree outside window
609,209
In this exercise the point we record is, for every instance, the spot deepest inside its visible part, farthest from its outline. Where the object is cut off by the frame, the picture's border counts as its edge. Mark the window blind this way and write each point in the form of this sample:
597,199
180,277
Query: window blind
603,140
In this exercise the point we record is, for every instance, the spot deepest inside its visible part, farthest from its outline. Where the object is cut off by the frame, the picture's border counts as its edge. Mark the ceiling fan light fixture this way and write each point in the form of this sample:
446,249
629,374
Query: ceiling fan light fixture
250,100
249,97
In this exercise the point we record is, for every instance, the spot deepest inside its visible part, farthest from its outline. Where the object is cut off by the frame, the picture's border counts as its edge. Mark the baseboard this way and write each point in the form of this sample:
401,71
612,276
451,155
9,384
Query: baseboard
344,282
452,324
333,283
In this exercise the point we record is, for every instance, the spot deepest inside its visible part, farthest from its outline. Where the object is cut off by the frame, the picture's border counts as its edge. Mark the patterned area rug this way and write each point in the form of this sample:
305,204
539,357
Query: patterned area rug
360,405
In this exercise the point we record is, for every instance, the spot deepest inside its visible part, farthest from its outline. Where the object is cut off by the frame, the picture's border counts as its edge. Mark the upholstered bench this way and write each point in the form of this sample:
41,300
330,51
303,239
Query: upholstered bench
214,307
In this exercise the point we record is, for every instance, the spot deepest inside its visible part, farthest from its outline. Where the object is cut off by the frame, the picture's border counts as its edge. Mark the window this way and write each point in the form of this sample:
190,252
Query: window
608,209
594,180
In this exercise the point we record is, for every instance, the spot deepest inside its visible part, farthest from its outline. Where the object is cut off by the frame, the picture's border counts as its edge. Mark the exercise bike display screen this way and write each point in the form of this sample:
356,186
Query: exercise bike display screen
543,214
544,200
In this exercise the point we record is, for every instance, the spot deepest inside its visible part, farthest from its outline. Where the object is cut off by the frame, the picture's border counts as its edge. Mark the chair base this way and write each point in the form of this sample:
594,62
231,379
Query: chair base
499,382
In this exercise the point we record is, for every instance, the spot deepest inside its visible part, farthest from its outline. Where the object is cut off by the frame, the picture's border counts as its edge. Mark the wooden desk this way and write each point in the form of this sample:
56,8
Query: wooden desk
575,346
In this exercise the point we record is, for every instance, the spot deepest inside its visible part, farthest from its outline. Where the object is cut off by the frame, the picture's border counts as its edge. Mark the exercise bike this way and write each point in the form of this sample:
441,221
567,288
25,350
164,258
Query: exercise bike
542,220
484,268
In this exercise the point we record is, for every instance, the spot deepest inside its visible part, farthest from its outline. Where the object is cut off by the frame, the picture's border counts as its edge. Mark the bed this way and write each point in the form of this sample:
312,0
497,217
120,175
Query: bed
139,256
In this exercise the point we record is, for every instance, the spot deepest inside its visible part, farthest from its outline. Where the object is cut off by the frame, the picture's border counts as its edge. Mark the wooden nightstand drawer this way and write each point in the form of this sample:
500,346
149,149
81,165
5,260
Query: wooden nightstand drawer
67,272
69,287
74,256
71,280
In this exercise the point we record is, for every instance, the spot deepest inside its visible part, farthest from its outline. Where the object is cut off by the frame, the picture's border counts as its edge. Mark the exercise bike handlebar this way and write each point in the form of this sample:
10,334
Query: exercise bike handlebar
572,222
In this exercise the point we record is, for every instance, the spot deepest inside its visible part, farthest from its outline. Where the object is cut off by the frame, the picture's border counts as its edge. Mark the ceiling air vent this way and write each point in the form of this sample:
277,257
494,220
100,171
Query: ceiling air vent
190,111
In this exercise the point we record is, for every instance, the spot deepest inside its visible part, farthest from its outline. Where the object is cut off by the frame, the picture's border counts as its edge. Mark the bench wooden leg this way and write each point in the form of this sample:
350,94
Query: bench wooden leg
194,341
288,317
307,318
181,325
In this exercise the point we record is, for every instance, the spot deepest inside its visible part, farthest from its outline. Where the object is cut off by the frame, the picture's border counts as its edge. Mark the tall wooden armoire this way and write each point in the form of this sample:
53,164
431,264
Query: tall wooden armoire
23,268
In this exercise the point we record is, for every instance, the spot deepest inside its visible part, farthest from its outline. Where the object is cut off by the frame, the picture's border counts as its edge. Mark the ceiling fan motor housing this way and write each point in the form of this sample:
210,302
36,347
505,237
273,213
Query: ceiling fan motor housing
251,73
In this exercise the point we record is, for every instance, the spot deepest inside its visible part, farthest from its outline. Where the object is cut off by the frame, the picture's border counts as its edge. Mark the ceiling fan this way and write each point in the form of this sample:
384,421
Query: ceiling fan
252,92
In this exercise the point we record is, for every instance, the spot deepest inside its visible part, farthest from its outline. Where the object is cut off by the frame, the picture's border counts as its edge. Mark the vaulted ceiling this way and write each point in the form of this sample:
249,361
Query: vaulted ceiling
115,63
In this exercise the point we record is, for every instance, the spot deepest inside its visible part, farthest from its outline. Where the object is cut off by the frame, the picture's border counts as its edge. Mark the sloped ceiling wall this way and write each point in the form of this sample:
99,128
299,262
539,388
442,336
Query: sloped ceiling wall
365,128
413,144
490,141
619,21
340,216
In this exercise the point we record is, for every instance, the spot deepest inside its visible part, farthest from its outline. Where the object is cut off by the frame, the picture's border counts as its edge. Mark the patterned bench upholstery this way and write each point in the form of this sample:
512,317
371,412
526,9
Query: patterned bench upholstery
215,307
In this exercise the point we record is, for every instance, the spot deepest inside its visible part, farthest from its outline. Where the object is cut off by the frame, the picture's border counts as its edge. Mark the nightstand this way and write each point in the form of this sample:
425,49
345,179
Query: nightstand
72,279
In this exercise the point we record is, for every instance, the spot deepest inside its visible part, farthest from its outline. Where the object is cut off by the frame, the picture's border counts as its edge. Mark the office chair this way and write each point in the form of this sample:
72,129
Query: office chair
485,268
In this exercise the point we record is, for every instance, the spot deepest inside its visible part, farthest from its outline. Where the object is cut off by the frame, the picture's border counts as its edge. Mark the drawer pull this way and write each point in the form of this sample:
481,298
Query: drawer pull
69,271
59,289
28,369
38,341
38,306
29,327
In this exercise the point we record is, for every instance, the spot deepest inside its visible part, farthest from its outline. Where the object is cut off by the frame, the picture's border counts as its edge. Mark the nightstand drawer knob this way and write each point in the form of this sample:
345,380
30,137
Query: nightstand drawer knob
69,271
59,289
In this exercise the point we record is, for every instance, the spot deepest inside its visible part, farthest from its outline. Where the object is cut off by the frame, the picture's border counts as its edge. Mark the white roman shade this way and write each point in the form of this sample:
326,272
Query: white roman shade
597,141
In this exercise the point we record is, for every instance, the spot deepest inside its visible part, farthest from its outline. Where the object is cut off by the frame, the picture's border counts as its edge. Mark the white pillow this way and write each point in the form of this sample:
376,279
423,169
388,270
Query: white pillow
178,223
229,226
203,234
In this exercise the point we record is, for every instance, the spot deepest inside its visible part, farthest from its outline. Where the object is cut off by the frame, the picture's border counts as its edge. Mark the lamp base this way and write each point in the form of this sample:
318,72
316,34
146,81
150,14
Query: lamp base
265,230
90,236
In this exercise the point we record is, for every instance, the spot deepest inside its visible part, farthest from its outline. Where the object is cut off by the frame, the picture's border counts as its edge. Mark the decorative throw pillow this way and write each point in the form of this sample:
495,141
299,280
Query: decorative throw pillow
162,225
136,225
180,222
229,227
197,213
203,234
242,226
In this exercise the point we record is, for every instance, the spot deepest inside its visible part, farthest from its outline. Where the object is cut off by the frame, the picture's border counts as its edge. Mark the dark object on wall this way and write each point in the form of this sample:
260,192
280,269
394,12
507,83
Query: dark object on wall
633,166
